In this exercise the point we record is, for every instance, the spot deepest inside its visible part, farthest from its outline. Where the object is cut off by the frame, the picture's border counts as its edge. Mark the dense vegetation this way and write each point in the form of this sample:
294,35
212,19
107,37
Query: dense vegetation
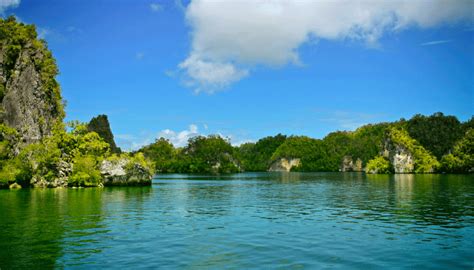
211,154
445,147
76,153
257,156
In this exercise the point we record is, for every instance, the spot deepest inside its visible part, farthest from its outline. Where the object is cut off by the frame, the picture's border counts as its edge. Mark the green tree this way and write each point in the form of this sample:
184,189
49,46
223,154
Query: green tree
379,165
257,156
461,160
162,153
436,133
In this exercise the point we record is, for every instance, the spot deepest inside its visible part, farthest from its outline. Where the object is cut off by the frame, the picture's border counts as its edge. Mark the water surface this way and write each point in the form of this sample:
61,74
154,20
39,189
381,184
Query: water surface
242,221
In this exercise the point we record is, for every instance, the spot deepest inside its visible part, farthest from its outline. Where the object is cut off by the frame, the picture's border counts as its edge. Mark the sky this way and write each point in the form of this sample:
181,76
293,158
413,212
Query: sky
246,69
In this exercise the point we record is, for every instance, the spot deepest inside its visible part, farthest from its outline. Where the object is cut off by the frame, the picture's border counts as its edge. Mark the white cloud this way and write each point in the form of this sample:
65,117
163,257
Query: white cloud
436,42
6,4
230,37
156,7
180,138
130,142
208,76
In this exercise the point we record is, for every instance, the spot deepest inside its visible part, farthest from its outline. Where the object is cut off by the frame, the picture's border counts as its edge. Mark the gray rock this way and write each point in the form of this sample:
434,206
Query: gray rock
122,173
348,165
400,157
284,165
40,182
26,105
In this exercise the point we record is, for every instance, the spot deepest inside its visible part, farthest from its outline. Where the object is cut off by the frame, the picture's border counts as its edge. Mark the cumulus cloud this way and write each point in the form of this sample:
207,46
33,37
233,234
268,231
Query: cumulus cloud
205,75
6,4
231,37
180,138
130,142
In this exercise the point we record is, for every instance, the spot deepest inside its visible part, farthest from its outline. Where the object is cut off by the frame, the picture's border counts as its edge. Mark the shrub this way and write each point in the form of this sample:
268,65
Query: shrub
85,172
379,165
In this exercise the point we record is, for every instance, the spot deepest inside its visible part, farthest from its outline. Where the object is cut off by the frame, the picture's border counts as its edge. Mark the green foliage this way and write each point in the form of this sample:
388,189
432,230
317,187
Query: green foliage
15,170
211,154
379,165
367,141
86,171
424,161
436,133
162,153
257,156
311,153
462,157
8,137
85,150
2,91
138,158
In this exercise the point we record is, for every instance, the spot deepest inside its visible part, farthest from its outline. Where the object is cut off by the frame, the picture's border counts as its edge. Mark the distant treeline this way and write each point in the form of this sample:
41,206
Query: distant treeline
437,143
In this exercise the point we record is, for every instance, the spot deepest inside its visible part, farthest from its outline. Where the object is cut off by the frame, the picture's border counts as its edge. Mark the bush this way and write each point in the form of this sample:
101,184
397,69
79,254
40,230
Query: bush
379,165
462,158
85,172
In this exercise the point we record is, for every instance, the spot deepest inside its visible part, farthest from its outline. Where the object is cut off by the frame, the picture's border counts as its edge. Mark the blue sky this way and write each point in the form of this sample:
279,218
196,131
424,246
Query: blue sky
176,69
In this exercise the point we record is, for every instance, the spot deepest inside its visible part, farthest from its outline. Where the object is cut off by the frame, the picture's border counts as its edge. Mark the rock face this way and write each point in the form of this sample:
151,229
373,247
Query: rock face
400,158
100,124
348,165
284,165
29,98
121,173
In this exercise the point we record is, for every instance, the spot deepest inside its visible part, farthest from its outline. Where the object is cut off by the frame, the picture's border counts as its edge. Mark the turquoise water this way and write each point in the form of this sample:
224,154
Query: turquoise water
245,221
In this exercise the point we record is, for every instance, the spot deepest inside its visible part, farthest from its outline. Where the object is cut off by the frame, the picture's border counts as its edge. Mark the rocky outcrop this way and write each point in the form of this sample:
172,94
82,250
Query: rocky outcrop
30,100
284,165
63,171
401,159
40,182
122,172
348,165
100,124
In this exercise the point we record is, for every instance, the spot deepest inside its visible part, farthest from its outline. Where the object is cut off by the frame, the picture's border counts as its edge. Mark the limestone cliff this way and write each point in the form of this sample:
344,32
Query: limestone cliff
284,165
406,155
401,159
30,99
348,165
100,124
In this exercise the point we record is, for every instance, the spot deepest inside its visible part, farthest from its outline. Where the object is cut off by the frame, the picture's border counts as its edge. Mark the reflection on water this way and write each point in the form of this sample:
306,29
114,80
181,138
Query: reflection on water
276,220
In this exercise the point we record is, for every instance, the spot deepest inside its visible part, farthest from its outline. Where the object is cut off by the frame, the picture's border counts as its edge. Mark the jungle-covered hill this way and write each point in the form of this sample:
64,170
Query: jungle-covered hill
422,144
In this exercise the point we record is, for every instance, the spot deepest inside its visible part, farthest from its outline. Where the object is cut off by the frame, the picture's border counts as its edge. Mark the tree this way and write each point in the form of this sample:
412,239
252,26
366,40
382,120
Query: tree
461,160
436,133
162,153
